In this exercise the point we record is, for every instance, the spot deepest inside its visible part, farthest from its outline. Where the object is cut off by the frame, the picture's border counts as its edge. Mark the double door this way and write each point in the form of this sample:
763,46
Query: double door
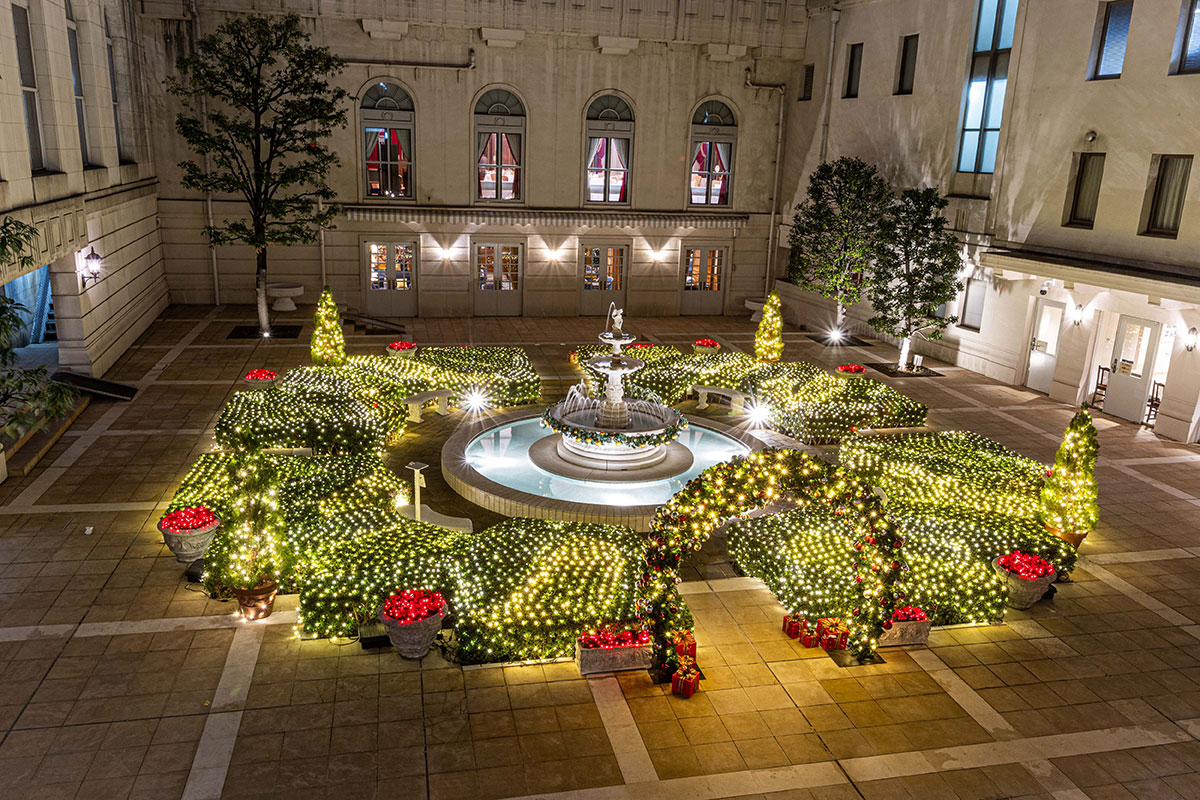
602,276
391,279
498,279
1131,368
704,279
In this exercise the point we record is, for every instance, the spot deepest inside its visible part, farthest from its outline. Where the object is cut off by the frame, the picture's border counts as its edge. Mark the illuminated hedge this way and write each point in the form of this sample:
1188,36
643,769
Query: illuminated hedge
827,408
285,418
505,374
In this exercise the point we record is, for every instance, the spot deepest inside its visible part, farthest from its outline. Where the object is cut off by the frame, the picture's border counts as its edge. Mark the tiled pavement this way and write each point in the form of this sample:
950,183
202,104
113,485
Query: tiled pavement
119,680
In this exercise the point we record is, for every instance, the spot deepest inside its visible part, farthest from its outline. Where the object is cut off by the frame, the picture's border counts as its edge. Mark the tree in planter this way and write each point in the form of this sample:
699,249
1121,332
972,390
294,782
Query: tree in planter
836,231
1068,503
916,270
257,107
256,523
768,339
25,394
328,341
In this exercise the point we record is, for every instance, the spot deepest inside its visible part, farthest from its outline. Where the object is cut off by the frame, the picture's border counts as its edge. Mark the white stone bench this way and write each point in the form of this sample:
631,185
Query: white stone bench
461,524
737,400
415,401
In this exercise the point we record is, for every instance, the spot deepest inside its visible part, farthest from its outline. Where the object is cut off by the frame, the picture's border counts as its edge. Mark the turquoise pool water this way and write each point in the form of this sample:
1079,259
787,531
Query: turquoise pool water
502,455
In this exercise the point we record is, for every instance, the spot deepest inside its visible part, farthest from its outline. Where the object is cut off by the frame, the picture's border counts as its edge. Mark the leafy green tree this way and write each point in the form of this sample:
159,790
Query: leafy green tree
1068,503
916,270
25,394
258,106
836,230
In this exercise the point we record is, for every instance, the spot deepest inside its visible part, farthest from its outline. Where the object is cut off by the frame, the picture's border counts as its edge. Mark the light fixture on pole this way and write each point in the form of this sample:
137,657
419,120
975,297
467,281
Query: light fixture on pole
418,482
90,270
1189,339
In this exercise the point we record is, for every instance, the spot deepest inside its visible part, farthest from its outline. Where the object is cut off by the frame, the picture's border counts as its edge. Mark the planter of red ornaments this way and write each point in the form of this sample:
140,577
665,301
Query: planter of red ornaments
260,378
257,601
612,651
402,349
188,532
1028,577
909,625
686,678
412,619
851,369
705,346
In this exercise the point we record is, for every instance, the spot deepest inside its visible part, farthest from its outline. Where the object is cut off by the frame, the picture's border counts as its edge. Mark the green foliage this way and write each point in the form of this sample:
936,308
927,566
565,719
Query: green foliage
255,527
827,408
1068,501
504,374
328,341
837,230
916,269
768,337
280,417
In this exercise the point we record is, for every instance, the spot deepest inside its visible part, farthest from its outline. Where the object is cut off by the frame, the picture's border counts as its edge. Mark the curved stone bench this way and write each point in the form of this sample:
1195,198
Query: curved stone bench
283,294
415,401
737,400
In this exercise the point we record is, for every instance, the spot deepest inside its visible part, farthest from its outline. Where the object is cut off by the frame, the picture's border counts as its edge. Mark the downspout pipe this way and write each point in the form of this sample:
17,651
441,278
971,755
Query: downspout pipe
208,198
834,16
781,88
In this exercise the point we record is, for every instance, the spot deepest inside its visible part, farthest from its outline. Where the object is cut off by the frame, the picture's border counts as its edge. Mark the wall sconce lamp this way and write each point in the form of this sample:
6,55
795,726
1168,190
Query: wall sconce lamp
1189,338
658,255
90,271
442,253
1077,315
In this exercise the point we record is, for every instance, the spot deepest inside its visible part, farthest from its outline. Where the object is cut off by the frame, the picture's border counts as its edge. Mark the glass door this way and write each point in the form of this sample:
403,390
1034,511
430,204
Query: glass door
603,277
1043,349
704,281
1132,367
498,276
391,280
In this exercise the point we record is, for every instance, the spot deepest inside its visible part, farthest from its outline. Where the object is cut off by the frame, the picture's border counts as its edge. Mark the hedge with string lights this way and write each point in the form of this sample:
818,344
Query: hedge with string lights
827,408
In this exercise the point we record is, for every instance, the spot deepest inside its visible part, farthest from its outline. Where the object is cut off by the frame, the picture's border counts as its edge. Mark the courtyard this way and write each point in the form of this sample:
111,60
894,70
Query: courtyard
121,679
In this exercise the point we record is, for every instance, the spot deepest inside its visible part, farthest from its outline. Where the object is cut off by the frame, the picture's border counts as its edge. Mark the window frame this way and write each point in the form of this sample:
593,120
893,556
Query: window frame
31,100
609,129
722,265
1105,18
807,83
901,72
713,135
1189,18
608,246
496,124
399,119
390,267
1073,220
122,156
1154,195
79,93
498,245
854,57
991,58
962,315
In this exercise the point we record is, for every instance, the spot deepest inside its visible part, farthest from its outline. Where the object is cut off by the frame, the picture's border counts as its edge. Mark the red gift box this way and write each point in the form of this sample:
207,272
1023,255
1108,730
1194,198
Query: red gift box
794,625
809,638
835,638
684,687
685,644
825,622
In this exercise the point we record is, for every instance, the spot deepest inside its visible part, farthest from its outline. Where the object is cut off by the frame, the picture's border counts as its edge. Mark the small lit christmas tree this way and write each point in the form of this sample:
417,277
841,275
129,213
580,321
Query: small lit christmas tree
1068,508
254,541
878,569
768,339
328,342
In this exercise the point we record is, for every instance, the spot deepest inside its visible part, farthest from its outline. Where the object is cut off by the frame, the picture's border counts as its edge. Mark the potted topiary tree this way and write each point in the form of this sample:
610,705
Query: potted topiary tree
768,339
1068,502
254,539
328,341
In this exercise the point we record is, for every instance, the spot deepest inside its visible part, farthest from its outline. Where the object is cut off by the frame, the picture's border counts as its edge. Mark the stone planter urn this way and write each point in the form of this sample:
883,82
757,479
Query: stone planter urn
613,654
1023,592
258,602
189,543
412,620
401,349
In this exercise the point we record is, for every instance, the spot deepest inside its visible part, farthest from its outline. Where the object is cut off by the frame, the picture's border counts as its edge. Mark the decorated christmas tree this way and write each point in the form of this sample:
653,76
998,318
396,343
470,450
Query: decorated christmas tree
1068,507
257,522
328,343
878,570
768,339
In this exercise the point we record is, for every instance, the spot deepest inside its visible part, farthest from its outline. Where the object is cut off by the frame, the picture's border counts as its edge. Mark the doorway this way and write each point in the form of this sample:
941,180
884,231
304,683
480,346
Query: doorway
704,281
498,269
602,272
391,279
1132,367
1043,349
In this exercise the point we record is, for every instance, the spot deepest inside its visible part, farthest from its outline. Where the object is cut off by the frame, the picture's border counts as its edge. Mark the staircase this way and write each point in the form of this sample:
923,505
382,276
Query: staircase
50,329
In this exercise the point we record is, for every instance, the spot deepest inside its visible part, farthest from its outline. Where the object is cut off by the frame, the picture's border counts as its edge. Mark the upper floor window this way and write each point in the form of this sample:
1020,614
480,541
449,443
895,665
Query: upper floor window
112,82
987,85
714,133
1189,26
853,70
1086,192
499,136
387,124
1167,193
610,134
907,72
1114,34
77,81
806,86
27,75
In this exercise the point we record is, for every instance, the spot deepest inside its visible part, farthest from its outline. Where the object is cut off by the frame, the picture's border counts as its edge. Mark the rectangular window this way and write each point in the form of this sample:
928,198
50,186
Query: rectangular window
112,82
603,268
1169,190
702,270
711,163
1189,57
388,161
77,82
908,65
853,70
986,86
971,317
498,158
607,169
29,92
1086,190
499,266
1114,34
391,266
806,87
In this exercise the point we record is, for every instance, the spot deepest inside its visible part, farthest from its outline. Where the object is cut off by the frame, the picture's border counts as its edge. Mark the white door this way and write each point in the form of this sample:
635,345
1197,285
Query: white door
1132,368
498,280
703,281
1043,349
391,279
603,277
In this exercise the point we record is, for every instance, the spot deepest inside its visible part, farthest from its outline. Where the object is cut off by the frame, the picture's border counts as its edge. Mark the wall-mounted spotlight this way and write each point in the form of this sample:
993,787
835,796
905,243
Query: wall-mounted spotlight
1077,314
90,269
1090,136
1189,338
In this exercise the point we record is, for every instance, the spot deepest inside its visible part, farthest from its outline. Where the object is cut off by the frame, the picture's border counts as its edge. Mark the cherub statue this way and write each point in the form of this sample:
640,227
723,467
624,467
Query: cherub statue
618,319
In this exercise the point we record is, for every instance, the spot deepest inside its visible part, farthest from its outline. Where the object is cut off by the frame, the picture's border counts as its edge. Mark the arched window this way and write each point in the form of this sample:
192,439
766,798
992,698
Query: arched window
714,132
499,135
387,124
610,135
